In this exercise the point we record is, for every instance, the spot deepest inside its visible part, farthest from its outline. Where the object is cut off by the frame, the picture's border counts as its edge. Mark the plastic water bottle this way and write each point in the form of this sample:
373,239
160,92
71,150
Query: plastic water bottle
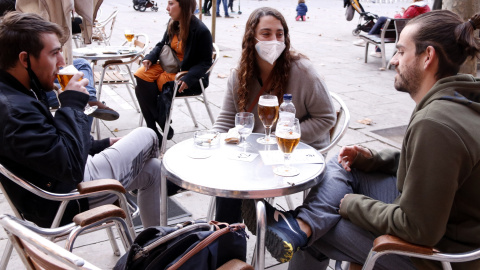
287,109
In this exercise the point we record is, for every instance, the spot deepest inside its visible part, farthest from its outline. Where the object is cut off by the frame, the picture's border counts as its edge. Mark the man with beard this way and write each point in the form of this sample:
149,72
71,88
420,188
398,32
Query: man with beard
57,152
427,193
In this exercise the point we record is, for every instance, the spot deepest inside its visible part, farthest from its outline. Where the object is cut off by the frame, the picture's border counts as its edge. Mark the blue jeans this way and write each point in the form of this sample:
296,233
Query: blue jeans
334,236
224,7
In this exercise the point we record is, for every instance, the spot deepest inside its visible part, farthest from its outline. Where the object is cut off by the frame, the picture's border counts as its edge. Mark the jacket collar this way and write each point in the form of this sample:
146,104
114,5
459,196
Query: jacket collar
11,81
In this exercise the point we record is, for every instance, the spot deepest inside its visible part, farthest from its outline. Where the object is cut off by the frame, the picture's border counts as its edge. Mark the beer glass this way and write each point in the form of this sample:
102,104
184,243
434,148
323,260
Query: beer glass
64,76
268,114
244,122
129,35
288,137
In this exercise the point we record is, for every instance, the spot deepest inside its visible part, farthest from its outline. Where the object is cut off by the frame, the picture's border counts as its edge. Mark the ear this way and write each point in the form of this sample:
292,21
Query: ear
22,58
431,59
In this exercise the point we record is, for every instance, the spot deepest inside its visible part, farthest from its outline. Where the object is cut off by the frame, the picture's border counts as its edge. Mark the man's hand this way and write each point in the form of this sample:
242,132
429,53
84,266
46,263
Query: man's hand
348,154
146,64
76,84
341,201
182,86
113,140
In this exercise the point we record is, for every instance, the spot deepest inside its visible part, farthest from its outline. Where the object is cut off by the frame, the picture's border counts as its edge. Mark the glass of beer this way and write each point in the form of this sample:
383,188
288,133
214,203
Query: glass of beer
129,35
288,137
64,76
268,114
244,122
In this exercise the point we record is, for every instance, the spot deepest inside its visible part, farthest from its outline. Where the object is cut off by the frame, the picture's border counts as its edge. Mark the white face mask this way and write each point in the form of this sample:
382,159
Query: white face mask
270,50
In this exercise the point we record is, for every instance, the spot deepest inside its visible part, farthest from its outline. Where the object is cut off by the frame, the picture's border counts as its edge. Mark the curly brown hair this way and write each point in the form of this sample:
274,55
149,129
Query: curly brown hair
248,70
181,27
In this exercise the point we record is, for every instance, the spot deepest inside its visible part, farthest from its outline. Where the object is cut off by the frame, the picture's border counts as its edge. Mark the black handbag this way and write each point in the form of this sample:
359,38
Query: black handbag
191,245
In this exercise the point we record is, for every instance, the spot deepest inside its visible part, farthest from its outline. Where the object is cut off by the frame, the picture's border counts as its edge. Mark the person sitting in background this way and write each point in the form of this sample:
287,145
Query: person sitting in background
269,64
416,8
426,193
301,11
191,40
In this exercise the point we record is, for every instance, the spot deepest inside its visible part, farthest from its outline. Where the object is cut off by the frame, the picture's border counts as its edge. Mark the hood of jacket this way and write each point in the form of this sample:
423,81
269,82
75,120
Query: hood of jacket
419,4
462,89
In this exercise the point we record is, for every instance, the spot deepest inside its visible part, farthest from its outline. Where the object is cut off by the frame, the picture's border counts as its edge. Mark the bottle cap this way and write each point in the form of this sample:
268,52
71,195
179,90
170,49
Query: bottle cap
287,96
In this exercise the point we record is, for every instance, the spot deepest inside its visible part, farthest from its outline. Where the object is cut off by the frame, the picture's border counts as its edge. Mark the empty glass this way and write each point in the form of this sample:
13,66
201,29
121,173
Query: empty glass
288,136
268,114
244,122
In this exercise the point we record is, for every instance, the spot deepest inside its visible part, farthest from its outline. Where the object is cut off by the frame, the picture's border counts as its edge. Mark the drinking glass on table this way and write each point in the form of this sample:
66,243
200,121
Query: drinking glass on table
244,122
129,35
288,136
64,76
268,114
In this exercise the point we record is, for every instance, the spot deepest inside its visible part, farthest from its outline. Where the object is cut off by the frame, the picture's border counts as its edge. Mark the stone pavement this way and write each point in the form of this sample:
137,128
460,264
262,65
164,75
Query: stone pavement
325,38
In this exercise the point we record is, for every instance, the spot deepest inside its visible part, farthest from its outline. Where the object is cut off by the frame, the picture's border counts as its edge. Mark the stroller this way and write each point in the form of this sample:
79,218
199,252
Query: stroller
366,20
141,5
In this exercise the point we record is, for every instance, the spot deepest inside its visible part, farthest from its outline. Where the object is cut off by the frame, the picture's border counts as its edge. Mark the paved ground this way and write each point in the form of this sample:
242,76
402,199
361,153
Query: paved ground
325,38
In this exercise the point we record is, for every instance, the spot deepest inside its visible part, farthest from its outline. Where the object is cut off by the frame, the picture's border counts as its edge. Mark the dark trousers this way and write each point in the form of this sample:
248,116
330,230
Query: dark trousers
147,93
228,210
207,4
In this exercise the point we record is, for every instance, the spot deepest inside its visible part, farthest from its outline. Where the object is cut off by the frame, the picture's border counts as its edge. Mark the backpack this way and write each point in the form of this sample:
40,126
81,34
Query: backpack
190,245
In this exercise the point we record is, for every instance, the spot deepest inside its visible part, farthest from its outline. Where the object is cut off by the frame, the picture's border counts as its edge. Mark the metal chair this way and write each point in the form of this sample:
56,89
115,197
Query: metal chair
111,73
84,190
102,30
37,252
202,97
388,244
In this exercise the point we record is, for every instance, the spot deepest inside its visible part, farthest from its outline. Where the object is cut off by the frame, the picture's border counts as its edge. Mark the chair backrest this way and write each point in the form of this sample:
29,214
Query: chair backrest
37,252
102,30
341,125
215,57
388,30
399,25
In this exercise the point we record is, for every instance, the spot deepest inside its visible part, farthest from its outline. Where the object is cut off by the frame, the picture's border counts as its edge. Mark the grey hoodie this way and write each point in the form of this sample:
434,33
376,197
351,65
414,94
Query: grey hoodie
438,175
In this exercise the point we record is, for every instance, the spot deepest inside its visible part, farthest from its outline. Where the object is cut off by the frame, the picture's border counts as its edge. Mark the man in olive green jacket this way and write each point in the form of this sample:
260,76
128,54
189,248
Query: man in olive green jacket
428,193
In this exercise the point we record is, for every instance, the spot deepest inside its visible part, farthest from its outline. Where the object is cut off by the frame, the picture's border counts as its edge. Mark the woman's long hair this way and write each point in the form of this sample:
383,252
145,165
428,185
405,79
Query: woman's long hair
180,28
249,71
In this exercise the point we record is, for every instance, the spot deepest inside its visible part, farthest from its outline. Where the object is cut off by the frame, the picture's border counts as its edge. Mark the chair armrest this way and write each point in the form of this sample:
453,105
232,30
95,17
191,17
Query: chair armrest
100,185
390,242
96,214
180,75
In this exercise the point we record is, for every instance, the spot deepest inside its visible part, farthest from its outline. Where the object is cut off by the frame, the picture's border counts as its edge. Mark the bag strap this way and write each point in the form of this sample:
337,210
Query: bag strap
205,242
265,85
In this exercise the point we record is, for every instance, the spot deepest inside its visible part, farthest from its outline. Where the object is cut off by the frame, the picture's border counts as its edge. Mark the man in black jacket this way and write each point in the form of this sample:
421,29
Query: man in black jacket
57,152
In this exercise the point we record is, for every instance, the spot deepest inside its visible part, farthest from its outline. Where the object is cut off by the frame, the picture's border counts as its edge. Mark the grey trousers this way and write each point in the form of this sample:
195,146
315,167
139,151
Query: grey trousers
132,161
334,236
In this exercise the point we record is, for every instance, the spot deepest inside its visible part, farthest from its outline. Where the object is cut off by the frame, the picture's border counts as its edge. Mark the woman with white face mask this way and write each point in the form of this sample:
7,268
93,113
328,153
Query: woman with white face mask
268,59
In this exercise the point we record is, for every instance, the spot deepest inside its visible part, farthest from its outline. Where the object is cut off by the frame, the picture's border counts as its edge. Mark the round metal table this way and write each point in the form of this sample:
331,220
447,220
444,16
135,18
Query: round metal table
219,175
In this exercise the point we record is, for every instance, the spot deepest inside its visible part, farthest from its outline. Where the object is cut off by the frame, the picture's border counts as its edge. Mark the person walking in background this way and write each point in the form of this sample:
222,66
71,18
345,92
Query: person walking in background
225,8
230,5
207,4
416,8
301,11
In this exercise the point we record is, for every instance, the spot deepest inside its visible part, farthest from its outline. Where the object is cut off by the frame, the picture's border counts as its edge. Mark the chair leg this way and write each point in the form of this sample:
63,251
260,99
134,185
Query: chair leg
384,58
7,253
211,208
113,242
205,101
130,90
191,113
288,198
366,51
97,128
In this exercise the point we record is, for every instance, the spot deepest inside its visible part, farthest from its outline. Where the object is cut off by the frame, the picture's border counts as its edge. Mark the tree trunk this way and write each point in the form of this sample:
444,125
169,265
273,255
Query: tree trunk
466,9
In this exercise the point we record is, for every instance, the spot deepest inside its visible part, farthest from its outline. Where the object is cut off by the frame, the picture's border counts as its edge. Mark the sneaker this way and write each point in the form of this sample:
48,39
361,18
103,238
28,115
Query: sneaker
283,236
360,43
103,111
218,15
376,54
208,13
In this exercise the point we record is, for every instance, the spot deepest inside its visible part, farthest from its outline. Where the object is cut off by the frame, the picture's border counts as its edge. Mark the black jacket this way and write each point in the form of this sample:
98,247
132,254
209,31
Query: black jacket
198,53
50,152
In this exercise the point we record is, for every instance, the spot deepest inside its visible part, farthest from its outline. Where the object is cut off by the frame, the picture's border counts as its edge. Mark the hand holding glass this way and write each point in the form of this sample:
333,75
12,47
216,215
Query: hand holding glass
288,136
268,114
244,122
64,76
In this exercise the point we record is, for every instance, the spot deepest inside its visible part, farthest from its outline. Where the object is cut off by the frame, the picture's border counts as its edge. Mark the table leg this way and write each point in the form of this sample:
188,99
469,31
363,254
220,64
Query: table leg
163,198
261,228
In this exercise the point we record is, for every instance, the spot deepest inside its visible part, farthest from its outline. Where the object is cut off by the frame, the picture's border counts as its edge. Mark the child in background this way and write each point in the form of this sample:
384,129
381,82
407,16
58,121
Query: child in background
301,10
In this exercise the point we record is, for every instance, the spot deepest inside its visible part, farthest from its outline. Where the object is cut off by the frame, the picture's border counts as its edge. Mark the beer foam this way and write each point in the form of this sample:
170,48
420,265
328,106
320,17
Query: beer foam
68,70
268,102
288,135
